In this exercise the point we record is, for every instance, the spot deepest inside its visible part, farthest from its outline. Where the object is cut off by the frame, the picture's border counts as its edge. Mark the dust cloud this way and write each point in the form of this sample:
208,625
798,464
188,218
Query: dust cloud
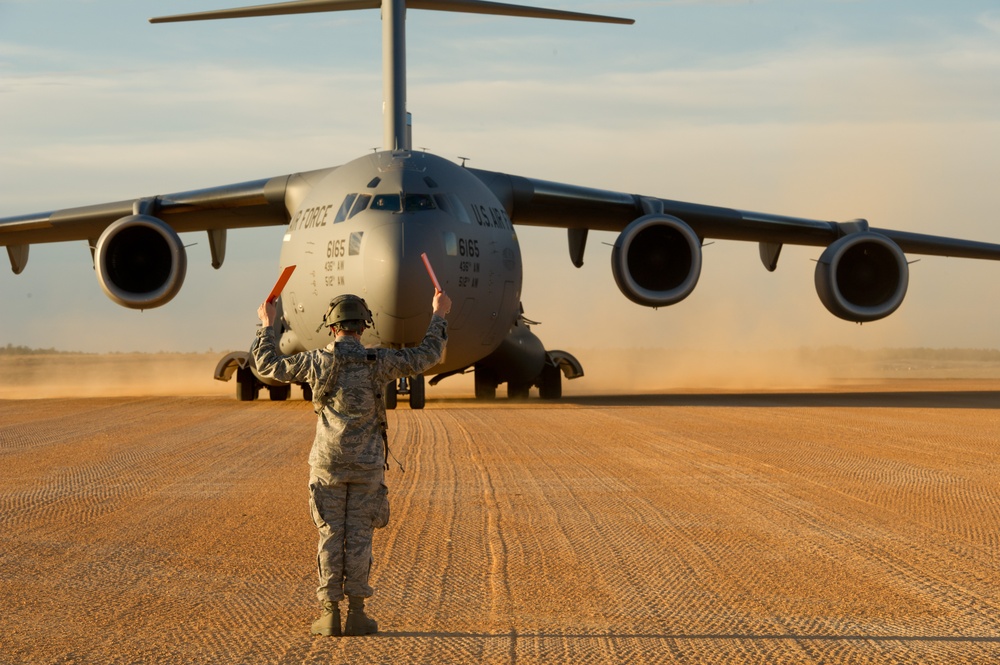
606,372
618,371
658,370
64,375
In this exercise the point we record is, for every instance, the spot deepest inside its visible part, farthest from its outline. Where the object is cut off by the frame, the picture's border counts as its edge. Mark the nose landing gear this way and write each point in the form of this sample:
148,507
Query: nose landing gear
414,386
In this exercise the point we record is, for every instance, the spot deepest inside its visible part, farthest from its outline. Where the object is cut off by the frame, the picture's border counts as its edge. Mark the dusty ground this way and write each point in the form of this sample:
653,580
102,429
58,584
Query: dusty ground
857,524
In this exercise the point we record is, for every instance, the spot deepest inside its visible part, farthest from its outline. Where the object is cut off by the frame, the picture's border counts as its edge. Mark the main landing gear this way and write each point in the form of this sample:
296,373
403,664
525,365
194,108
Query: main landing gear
548,381
248,386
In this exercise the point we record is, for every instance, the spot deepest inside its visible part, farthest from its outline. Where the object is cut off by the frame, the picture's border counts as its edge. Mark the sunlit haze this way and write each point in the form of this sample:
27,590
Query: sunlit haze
825,109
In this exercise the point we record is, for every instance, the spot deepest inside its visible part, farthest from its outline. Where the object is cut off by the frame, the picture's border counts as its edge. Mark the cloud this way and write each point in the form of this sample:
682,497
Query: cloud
990,20
814,78
905,136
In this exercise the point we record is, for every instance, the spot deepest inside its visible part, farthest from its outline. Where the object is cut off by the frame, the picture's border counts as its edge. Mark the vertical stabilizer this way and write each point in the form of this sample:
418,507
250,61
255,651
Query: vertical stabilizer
396,134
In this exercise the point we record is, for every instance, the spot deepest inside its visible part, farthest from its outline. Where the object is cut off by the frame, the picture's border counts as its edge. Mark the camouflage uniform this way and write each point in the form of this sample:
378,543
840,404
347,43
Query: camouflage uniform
347,460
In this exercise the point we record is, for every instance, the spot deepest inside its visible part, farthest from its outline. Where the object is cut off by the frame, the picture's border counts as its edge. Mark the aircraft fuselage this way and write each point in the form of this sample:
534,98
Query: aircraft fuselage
362,228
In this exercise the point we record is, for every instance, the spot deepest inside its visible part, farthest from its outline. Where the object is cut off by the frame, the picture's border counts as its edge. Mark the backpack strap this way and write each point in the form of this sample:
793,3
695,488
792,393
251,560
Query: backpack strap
380,405
320,399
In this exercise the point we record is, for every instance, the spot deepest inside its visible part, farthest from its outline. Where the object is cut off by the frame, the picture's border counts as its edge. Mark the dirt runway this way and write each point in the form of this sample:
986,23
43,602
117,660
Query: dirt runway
845,526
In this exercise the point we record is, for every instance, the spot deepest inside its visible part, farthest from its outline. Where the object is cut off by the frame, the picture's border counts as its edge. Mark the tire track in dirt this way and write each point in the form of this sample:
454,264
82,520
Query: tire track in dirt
429,540
145,469
887,548
644,555
614,533
423,512
888,556
916,470
622,552
116,471
715,558
497,550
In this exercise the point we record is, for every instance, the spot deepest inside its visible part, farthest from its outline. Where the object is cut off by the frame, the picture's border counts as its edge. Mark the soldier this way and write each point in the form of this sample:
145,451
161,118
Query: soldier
348,498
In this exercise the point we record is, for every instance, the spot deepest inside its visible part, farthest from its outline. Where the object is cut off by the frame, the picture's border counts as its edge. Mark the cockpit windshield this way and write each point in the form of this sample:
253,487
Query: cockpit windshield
417,202
403,202
355,203
386,202
352,205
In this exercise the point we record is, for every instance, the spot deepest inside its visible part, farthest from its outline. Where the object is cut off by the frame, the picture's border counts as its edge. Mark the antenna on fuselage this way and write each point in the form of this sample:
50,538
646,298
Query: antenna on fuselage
396,134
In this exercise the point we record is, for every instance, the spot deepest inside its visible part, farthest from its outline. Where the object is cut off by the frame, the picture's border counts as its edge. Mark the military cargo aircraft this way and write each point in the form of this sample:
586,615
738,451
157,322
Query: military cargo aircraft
362,227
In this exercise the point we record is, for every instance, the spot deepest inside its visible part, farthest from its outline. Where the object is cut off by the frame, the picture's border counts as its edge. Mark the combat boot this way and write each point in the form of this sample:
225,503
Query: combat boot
328,622
358,623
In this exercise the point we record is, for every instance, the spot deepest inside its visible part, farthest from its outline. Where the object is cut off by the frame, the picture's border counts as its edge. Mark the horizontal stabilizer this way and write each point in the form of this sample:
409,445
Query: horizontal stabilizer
504,9
276,9
462,6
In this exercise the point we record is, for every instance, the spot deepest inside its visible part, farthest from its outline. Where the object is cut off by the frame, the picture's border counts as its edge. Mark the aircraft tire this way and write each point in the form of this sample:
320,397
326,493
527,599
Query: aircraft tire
279,393
486,383
246,385
518,390
391,395
550,387
418,392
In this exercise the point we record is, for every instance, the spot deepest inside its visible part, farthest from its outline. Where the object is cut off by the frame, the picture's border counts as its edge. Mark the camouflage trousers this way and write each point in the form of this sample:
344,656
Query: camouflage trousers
344,505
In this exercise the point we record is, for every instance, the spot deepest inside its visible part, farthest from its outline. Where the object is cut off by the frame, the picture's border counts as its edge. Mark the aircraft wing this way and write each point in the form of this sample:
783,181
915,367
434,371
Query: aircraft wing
241,205
536,202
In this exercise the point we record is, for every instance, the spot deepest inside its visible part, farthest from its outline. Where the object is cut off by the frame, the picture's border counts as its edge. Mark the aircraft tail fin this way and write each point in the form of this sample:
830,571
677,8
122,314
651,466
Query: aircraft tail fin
462,6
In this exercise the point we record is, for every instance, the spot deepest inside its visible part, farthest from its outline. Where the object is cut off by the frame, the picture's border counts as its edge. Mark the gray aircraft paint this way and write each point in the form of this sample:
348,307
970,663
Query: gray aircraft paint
375,253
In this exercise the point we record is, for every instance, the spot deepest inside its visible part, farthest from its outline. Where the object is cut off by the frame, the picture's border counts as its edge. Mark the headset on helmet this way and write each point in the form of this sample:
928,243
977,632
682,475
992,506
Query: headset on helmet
348,312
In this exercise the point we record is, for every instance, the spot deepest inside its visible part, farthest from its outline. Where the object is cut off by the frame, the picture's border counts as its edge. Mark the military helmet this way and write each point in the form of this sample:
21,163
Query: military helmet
348,312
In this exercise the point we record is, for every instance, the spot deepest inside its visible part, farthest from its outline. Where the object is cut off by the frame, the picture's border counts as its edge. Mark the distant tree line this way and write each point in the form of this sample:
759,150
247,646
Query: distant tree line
11,350
806,352
918,353
923,353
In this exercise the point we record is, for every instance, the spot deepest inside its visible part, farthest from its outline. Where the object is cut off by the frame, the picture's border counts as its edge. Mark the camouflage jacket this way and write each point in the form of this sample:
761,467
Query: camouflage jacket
348,381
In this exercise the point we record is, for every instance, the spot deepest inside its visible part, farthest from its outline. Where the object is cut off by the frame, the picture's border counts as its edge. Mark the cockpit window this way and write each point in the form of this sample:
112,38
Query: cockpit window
386,202
345,207
360,204
418,202
452,205
403,202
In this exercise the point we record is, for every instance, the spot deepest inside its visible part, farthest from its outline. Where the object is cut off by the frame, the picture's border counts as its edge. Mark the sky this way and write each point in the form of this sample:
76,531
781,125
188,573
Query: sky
828,109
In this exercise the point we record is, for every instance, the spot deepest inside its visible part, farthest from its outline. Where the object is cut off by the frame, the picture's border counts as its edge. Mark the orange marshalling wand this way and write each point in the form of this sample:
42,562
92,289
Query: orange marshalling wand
280,284
430,271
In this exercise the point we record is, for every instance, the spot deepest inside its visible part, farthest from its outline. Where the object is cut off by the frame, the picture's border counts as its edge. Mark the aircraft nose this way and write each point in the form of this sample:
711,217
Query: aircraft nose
397,285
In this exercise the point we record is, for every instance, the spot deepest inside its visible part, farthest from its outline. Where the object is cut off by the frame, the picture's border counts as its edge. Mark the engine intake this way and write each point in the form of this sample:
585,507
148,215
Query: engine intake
140,262
862,277
656,260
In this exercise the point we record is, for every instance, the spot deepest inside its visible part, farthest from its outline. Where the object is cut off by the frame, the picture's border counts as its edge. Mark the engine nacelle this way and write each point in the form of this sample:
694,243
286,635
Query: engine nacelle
656,260
140,262
862,277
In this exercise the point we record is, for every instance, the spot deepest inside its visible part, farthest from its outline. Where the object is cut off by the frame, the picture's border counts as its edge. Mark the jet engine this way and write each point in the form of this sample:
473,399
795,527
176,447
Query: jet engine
862,277
140,262
656,260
